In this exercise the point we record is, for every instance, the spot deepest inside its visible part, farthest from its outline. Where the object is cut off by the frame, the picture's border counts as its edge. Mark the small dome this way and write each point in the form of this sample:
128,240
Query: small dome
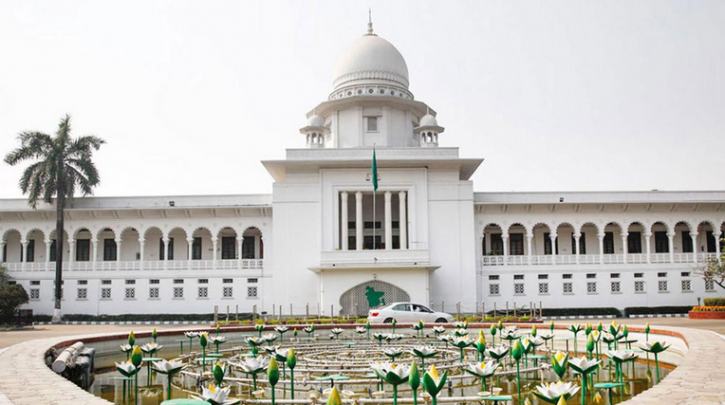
428,121
315,121
371,60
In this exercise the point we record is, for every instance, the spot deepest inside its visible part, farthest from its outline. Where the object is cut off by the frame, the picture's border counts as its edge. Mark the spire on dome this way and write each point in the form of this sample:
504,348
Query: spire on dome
370,22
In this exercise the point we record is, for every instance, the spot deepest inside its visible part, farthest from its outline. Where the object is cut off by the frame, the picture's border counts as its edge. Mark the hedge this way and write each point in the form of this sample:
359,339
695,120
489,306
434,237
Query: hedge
581,312
139,317
715,302
656,310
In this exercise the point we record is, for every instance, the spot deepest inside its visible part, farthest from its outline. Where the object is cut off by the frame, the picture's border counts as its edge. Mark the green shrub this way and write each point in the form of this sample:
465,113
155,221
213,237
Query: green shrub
656,310
326,321
715,302
273,322
472,319
291,321
582,312
362,320
524,318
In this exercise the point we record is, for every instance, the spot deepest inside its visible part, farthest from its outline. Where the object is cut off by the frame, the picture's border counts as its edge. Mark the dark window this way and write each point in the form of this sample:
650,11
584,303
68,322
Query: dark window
109,250
196,249
52,251
5,252
396,242
352,242
162,249
83,250
30,256
661,242
248,247
369,225
516,244
710,242
686,242
496,244
634,242
547,244
608,243
368,242
229,247
582,245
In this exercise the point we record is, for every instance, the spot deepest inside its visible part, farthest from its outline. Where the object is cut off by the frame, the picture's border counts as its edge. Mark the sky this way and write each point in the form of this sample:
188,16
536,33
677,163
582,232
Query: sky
191,95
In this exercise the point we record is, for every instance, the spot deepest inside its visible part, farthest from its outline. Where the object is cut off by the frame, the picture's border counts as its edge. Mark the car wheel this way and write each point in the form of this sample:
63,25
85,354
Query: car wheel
388,320
441,320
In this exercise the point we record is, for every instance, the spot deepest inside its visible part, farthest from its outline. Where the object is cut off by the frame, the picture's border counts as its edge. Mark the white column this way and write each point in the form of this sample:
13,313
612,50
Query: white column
71,253
671,246
47,253
240,242
94,243
23,259
118,254
343,221
552,237
624,246
142,244
577,252
165,241
359,225
505,241
529,239
190,241
717,245
403,221
601,248
388,221
213,248
694,247
648,245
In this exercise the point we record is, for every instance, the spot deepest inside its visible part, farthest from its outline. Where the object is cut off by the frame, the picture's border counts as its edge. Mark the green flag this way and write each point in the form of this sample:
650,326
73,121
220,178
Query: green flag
375,172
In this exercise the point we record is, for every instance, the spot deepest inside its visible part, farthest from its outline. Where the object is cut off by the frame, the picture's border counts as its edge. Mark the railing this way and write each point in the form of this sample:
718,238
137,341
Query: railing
589,259
135,265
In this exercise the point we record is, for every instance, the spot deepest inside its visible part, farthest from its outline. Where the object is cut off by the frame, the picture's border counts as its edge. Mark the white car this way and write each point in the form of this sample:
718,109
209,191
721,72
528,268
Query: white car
407,312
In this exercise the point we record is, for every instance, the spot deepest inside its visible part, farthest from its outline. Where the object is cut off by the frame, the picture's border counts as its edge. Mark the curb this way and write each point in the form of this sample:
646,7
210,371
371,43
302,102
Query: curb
555,318
127,323
659,316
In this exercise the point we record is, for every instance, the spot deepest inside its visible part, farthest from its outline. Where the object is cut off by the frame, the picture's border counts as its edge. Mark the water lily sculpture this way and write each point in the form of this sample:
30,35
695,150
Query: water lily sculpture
131,339
393,374
389,337
291,363
281,329
460,325
533,331
584,367
126,348
154,335
481,345
575,328
560,363
461,343
547,336
554,392
269,337
218,373
437,330
151,348
434,383
203,341
191,336
217,340
418,328
271,349
414,381
216,396
482,370
424,352
168,368
259,327
517,351
493,331
272,375
460,332
361,330
498,353
136,360
367,327
379,337
252,366
619,357
126,368
510,333
392,352
646,331
336,332
656,348
597,337
393,323
310,330
334,397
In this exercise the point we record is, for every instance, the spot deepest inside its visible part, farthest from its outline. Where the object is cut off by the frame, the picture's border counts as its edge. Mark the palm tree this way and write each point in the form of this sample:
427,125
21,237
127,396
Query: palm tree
61,165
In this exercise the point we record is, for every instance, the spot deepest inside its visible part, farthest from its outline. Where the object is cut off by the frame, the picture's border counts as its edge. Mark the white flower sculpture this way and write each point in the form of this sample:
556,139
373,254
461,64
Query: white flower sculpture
216,396
552,392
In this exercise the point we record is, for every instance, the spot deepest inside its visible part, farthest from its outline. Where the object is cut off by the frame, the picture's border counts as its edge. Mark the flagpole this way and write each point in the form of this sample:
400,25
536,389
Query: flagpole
375,245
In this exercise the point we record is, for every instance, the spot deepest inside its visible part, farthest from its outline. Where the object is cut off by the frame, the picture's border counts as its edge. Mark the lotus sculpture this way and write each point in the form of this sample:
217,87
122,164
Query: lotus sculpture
217,340
656,348
424,352
584,367
575,328
483,371
216,396
433,383
169,368
461,343
336,332
393,374
498,353
620,357
392,353
259,327
554,392
560,363
281,329
252,366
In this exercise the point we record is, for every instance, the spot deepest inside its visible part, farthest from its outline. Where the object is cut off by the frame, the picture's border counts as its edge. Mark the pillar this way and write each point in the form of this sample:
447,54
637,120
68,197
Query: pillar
648,245
343,221
23,253
94,248
577,252
118,254
625,247
529,240
717,245
694,247
190,241
359,225
403,221
47,253
240,242
601,248
142,244
552,238
505,240
166,240
671,246
388,220
71,253
213,250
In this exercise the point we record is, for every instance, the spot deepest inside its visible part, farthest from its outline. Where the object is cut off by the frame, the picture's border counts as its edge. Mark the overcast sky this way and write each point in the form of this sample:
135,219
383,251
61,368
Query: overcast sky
190,96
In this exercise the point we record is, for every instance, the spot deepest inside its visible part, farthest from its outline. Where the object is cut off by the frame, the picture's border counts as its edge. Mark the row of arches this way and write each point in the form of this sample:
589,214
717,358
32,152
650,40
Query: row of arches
130,244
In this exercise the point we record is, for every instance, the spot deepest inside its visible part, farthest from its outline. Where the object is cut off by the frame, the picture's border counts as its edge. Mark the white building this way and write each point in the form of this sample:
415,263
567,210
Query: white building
323,238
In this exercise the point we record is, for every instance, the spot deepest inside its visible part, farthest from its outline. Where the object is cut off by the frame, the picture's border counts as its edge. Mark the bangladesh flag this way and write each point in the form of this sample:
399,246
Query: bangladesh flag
375,172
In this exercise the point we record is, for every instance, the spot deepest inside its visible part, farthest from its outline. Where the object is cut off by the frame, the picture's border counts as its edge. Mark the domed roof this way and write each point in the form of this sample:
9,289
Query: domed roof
428,121
371,60
315,121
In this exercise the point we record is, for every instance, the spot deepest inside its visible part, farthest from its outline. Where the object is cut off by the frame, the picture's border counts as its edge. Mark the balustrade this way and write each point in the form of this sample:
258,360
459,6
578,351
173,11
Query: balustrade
135,265
590,259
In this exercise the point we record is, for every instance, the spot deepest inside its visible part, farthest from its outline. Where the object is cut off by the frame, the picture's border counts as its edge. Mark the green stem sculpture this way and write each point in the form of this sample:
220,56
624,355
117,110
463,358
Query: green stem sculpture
517,352
272,375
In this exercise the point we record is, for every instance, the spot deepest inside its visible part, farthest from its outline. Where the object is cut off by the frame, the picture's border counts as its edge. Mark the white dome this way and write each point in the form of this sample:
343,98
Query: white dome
316,121
371,60
428,121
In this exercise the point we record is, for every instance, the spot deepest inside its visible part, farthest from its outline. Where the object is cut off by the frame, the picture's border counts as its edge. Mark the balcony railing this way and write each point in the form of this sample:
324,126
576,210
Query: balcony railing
633,258
160,265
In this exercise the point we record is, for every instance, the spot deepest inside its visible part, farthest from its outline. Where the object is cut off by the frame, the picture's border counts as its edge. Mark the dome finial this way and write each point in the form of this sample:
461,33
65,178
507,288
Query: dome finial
370,22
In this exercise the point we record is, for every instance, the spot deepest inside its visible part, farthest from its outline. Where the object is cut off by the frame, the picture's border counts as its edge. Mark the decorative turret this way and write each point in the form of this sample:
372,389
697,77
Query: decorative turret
428,131
315,132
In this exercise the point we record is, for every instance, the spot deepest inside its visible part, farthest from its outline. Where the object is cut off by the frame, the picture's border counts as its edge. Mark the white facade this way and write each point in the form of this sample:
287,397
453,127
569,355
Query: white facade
323,237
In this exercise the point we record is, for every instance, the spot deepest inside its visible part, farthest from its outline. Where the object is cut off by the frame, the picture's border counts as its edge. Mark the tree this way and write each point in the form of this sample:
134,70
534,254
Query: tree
11,297
713,270
61,165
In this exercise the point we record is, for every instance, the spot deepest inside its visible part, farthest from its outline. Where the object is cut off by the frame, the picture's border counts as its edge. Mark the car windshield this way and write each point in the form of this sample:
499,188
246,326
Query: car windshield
420,308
